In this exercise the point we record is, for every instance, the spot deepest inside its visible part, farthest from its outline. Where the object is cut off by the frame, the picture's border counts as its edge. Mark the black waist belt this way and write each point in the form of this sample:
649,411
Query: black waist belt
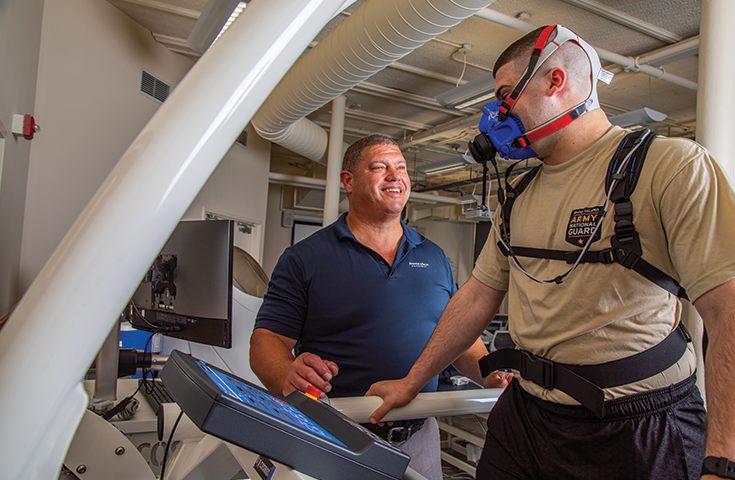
397,433
584,383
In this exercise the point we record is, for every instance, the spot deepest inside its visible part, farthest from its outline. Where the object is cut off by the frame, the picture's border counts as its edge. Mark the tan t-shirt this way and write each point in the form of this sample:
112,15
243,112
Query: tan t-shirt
684,212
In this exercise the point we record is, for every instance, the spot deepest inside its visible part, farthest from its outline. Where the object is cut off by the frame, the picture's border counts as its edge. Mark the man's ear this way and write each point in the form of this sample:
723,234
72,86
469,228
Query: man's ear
557,80
346,178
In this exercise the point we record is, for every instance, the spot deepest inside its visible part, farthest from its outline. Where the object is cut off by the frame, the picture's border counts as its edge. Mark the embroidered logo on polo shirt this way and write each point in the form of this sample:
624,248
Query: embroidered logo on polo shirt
581,225
418,264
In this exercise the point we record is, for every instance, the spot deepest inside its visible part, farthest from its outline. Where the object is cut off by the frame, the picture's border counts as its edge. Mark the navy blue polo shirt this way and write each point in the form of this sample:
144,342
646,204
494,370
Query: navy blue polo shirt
341,301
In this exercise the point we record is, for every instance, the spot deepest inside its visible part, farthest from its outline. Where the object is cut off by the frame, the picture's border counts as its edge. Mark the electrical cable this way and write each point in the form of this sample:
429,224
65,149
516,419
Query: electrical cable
120,408
464,67
140,315
164,328
149,387
559,279
168,444
481,67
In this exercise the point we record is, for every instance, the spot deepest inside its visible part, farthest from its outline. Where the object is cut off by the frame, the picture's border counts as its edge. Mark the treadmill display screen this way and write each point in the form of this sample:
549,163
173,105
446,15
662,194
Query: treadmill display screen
265,402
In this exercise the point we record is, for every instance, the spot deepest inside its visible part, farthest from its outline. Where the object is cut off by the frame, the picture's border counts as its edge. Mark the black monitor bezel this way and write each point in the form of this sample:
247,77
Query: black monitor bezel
199,319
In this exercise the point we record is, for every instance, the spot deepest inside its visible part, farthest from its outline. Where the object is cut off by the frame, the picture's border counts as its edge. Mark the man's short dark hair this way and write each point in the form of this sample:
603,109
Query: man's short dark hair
353,155
517,49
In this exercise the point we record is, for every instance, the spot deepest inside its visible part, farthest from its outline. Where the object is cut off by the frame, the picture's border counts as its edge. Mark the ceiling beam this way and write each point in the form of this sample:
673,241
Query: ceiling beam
386,120
628,63
165,7
408,98
626,20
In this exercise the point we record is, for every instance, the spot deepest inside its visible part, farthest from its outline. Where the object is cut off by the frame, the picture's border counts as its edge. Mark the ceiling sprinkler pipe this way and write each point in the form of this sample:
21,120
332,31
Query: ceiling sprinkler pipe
628,63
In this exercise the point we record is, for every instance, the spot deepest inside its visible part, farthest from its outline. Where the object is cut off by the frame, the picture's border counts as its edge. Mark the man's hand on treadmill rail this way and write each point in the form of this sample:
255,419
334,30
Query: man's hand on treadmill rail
395,393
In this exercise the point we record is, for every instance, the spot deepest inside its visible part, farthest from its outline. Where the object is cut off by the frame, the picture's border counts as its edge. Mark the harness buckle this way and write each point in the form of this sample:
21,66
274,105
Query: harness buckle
538,370
609,255
623,209
625,232
401,434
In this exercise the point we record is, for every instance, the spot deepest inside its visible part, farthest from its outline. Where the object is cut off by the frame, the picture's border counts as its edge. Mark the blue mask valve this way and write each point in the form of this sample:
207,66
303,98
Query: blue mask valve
503,134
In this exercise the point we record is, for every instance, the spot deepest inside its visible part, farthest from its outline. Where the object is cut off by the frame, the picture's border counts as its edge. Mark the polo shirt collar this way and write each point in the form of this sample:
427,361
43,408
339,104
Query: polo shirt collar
343,231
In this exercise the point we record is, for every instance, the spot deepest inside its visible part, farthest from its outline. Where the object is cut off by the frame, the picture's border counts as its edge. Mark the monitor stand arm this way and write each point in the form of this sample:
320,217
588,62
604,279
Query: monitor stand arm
105,374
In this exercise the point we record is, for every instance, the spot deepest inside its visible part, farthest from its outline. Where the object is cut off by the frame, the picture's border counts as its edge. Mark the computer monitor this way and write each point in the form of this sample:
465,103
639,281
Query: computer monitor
187,292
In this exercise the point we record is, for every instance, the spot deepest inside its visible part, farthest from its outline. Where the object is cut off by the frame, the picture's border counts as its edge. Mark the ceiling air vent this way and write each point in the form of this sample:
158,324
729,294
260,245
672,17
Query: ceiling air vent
153,87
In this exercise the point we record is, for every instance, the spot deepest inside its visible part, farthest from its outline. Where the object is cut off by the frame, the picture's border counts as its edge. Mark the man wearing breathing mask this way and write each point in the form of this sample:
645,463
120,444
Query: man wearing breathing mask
604,370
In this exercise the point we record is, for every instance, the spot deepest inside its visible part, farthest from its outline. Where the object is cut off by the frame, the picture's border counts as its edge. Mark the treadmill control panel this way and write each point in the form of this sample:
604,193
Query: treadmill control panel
302,433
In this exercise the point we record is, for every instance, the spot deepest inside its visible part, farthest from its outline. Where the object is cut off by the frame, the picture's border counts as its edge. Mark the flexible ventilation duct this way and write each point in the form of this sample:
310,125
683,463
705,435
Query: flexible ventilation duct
374,36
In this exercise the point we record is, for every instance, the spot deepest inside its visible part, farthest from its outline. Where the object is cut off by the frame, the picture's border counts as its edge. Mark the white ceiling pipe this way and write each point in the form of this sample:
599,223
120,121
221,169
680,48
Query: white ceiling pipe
296,180
374,36
431,198
665,55
507,20
318,183
633,65
303,137
671,53
440,130
628,63
427,73
41,356
408,98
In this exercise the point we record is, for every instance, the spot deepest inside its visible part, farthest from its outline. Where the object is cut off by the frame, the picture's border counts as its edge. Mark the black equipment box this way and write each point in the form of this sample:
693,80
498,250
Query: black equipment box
302,433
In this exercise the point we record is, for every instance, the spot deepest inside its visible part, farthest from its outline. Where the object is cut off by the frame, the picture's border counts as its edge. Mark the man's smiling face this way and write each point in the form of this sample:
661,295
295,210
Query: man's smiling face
380,182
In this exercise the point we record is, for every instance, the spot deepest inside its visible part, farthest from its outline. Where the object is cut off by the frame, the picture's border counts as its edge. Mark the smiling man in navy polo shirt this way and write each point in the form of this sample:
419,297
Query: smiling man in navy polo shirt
359,299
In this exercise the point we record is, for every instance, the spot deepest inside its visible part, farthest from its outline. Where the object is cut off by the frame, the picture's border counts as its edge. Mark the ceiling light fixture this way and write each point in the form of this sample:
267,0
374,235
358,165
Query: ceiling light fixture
447,165
480,90
216,17
233,16
640,117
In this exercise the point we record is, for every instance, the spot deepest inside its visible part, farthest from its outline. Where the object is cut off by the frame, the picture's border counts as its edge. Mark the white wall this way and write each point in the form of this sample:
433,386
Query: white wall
20,37
279,238
89,108
238,189
458,242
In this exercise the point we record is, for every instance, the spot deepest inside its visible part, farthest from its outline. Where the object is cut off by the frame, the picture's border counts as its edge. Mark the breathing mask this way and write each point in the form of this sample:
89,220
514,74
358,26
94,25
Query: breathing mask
504,133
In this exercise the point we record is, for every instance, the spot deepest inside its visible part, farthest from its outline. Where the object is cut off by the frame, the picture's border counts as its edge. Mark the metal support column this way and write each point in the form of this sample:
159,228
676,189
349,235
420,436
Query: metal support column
334,160
715,118
716,97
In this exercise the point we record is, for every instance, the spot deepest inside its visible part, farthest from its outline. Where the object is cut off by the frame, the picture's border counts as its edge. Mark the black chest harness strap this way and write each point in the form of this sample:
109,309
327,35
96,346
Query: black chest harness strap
625,244
584,383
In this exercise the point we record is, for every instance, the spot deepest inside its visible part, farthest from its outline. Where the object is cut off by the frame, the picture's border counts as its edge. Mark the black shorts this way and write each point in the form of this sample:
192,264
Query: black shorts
653,435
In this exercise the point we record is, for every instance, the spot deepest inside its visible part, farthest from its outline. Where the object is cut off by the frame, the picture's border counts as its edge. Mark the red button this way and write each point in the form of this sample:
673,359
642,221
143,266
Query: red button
313,392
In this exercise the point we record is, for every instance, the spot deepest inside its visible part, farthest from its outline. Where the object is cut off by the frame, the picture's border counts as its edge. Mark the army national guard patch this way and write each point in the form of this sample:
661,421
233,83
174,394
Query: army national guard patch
581,225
